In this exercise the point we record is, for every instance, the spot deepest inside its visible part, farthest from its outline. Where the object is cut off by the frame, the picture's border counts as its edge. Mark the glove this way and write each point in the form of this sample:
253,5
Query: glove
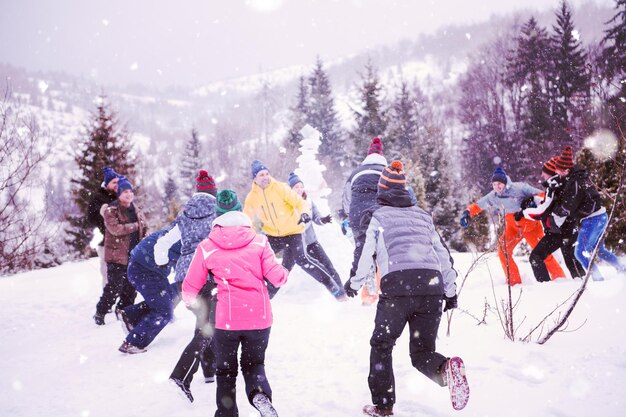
350,292
326,219
304,218
345,226
451,302
518,215
528,202
465,219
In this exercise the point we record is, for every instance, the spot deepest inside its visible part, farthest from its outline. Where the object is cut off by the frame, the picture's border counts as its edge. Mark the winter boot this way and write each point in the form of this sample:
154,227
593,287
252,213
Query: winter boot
130,349
99,319
374,411
183,390
126,324
454,376
262,403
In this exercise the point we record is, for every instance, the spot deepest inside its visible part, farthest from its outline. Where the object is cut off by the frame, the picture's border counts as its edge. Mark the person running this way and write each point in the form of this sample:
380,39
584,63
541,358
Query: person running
417,279
504,201
581,201
145,320
358,198
554,238
282,215
312,245
192,225
238,261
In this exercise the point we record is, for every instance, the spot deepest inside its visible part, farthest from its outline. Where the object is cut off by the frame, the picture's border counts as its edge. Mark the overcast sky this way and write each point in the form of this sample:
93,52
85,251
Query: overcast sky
192,42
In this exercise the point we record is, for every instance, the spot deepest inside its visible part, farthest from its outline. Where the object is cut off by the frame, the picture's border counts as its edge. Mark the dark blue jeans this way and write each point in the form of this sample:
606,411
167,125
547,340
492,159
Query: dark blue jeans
152,315
422,313
253,345
588,237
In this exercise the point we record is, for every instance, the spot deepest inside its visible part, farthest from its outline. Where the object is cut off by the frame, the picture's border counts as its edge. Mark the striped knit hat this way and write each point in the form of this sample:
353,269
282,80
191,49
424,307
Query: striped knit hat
376,146
549,167
566,159
205,183
227,201
392,176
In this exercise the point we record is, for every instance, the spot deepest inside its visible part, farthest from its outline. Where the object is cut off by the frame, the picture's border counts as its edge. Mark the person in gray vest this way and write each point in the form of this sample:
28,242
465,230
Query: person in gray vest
417,282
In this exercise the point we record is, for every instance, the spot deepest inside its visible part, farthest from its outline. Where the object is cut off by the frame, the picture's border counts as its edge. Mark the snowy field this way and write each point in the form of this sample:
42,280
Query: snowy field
56,362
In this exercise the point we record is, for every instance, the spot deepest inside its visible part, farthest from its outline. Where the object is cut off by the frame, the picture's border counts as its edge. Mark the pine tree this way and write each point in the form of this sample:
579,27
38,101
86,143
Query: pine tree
190,164
528,68
570,81
371,116
322,114
614,42
299,115
105,143
403,134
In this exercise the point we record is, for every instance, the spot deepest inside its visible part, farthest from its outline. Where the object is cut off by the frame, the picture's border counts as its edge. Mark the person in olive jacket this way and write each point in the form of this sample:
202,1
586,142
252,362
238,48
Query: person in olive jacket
106,194
125,227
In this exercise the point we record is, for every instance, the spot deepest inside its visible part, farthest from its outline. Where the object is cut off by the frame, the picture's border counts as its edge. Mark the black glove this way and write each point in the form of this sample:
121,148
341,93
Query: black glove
326,219
451,302
304,218
518,215
465,219
528,202
348,289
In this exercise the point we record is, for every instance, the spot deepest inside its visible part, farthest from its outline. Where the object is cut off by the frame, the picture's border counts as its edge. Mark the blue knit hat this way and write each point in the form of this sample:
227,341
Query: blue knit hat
123,184
293,179
257,166
499,175
109,175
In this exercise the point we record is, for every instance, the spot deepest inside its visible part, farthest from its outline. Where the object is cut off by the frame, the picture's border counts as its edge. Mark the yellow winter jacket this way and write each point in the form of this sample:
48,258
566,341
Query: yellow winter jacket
277,207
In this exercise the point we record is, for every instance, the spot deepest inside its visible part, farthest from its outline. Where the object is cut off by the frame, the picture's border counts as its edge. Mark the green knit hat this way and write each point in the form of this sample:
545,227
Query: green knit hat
227,201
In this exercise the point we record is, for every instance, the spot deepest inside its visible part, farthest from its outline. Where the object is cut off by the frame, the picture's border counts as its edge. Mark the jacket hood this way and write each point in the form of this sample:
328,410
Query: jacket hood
200,205
232,230
578,173
375,159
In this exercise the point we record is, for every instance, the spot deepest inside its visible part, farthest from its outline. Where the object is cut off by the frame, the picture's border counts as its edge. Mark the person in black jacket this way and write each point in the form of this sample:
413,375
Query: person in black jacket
106,194
554,238
581,202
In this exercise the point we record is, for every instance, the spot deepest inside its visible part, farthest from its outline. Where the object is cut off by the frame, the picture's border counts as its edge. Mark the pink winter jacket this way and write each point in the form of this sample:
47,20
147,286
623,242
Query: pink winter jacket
239,259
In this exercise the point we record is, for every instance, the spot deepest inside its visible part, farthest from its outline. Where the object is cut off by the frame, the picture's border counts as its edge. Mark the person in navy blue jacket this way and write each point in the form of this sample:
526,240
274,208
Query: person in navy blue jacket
145,320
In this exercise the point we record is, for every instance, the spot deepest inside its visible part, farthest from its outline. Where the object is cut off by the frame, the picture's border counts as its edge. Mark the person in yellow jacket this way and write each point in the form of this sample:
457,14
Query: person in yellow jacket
281,214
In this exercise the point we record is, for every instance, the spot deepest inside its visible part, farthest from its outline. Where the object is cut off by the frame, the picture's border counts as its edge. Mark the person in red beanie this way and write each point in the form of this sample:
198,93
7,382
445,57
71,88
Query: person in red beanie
359,196
581,202
503,202
554,238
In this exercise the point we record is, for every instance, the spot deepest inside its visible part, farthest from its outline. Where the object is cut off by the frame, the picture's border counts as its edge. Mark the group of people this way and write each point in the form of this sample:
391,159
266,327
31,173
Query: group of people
567,215
226,273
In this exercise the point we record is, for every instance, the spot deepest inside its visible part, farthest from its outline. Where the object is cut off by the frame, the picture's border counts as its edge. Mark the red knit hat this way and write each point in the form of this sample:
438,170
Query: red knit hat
205,183
565,160
549,167
376,146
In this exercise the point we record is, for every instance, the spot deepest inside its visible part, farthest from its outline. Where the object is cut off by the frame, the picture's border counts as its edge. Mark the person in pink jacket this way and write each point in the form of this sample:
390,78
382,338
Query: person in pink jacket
239,261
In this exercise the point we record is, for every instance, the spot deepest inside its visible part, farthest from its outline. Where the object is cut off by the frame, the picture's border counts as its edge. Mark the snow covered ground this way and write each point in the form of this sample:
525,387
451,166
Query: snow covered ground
55,362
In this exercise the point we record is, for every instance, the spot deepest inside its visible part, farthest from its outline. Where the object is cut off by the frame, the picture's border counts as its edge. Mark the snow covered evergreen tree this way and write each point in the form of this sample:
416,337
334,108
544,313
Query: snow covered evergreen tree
570,82
322,114
528,69
299,114
104,143
370,115
190,164
402,133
